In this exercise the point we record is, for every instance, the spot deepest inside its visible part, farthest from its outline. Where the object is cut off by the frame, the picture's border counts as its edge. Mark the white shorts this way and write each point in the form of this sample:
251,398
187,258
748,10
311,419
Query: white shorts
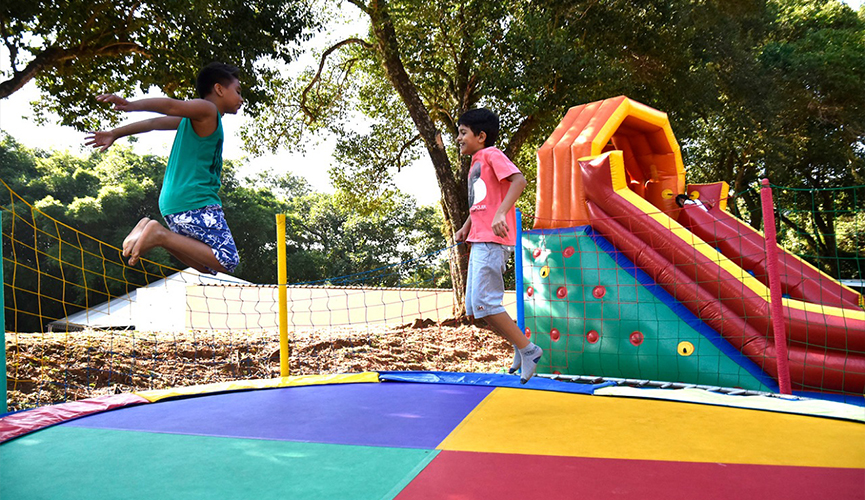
485,286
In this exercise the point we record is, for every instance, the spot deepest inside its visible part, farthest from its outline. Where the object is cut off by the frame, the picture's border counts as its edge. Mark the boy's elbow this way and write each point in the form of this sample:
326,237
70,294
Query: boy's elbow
521,182
517,178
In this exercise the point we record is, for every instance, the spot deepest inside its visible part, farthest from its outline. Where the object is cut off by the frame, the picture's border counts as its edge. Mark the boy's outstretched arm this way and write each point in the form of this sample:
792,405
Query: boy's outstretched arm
103,139
201,112
195,109
500,223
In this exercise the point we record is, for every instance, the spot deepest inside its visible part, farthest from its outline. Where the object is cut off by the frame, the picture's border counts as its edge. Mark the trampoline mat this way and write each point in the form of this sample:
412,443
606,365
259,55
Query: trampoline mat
413,440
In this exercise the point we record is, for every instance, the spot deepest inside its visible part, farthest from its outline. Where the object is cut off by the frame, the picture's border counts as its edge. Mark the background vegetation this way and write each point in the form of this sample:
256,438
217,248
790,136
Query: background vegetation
753,88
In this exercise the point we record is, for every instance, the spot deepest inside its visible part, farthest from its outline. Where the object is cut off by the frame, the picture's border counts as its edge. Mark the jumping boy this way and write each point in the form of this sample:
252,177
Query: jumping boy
495,184
198,236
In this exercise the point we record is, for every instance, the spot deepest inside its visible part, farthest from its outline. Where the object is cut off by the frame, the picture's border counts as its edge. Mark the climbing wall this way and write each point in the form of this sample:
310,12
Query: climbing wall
595,314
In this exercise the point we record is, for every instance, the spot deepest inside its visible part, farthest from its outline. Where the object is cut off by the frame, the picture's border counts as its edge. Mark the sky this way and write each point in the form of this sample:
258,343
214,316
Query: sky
16,118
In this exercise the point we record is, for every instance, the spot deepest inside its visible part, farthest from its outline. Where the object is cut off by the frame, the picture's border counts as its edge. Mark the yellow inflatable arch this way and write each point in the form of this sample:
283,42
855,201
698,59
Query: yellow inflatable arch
653,160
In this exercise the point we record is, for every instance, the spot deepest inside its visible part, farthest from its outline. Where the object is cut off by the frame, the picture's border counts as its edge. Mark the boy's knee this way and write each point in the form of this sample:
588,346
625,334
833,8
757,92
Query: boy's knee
231,263
228,260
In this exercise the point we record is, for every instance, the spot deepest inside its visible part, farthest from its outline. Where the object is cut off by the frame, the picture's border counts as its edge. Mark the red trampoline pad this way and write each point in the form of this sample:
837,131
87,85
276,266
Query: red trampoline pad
469,475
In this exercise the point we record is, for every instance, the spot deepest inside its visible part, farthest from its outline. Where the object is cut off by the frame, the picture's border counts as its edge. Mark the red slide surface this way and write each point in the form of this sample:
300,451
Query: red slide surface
826,344
743,245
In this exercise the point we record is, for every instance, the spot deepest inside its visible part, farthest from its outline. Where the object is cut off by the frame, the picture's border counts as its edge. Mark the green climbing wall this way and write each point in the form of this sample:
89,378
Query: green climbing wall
592,317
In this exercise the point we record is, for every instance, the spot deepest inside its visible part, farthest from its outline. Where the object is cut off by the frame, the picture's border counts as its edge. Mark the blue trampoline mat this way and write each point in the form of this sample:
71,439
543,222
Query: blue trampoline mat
394,414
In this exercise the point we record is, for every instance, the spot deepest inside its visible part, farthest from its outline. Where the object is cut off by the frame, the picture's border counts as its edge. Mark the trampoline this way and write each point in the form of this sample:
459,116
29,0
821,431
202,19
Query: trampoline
413,435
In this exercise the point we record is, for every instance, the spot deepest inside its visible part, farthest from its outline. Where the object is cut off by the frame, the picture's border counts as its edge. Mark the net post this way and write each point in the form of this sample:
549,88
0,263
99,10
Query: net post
3,394
776,299
283,296
518,270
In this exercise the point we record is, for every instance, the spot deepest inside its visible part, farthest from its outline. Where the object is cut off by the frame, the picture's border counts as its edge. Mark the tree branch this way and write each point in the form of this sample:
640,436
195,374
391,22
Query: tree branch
46,58
360,5
303,107
402,150
53,56
524,131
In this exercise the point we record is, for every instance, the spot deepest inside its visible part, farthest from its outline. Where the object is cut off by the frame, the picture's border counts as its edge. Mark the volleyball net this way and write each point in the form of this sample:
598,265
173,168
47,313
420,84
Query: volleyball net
79,322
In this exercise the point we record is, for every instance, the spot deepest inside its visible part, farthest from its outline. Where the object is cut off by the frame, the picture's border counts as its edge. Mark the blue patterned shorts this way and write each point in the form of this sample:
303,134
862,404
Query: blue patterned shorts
208,226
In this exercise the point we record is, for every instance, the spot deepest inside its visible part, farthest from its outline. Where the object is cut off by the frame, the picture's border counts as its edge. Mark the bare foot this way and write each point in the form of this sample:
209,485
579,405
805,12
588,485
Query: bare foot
148,239
133,235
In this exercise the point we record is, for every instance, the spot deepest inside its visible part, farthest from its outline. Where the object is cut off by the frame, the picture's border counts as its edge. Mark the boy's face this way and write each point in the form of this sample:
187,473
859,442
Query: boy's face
230,95
470,143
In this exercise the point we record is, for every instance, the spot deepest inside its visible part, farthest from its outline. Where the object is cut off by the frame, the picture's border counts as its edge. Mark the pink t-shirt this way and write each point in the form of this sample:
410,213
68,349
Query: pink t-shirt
487,189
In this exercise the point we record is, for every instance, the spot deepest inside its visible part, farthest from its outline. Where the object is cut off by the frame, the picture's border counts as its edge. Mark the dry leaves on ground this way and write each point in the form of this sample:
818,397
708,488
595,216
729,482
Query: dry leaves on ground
47,368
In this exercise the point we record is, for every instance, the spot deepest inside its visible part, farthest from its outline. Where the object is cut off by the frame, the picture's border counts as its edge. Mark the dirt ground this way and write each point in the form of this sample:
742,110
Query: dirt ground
48,368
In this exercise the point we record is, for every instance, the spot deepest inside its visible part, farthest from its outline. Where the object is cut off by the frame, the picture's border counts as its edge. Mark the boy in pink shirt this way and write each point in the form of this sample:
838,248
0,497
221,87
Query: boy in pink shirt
495,184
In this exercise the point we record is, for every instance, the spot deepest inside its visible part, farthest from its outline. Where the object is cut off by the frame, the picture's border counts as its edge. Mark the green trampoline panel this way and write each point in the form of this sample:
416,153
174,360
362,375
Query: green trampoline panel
96,464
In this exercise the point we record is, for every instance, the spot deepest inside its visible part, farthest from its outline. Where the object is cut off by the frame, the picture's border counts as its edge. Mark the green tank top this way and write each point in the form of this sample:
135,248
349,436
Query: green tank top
193,175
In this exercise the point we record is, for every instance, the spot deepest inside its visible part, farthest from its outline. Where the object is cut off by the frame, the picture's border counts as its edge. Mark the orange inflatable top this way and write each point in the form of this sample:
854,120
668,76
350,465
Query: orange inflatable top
653,160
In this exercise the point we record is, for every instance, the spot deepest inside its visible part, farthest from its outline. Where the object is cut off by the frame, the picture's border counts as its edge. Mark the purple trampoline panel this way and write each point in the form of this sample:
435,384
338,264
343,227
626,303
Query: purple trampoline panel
392,414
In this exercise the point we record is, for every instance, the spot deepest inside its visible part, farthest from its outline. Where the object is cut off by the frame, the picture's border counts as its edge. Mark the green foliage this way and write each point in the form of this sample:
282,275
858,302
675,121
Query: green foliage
791,109
76,49
751,86
331,242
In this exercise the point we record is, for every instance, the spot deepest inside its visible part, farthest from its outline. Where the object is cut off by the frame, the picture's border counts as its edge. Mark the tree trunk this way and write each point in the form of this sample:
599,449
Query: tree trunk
454,201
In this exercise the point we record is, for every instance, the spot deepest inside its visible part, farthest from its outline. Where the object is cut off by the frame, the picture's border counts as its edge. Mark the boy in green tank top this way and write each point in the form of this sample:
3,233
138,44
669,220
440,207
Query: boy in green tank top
197,233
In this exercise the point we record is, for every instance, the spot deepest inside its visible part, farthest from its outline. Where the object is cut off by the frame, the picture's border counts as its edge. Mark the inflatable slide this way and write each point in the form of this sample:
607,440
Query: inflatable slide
610,174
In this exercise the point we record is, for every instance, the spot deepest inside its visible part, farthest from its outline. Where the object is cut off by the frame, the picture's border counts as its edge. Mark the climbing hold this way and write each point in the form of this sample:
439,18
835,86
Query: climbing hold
554,334
695,195
667,194
545,271
599,291
685,348
562,292
528,333
530,291
536,253
592,336
637,338
568,252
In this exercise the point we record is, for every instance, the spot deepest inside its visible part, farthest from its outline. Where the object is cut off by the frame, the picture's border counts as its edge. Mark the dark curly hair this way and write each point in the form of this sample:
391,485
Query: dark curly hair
212,74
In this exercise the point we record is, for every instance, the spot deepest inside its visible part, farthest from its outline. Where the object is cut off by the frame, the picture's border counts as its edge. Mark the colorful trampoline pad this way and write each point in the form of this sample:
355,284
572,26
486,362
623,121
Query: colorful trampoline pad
641,429
471,475
93,464
435,439
394,414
